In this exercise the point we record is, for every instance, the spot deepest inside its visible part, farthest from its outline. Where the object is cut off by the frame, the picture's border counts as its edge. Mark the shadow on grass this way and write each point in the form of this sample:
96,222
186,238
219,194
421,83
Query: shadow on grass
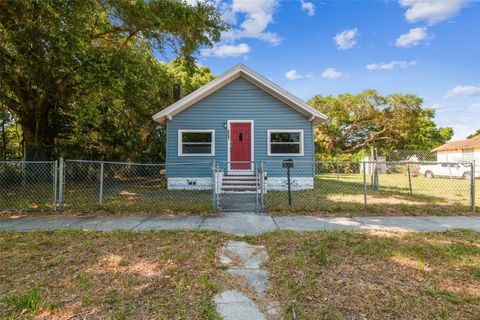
329,197
117,275
343,275
346,195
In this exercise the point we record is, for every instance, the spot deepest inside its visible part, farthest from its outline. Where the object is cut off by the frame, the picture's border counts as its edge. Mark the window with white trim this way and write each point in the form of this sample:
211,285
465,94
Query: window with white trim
285,142
196,142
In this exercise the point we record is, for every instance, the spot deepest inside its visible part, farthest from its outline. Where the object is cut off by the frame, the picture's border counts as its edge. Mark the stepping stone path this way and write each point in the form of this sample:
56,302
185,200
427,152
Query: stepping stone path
244,261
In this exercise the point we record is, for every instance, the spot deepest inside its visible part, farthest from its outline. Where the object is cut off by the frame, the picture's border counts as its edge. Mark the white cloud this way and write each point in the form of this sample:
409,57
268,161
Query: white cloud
226,50
431,11
346,39
462,91
294,75
391,65
257,16
412,37
309,7
332,73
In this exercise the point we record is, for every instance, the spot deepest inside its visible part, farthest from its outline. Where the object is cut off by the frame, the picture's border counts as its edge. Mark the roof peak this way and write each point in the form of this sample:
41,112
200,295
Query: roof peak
231,74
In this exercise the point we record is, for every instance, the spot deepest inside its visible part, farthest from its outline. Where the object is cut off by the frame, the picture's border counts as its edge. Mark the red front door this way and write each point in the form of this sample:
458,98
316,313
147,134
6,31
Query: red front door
240,145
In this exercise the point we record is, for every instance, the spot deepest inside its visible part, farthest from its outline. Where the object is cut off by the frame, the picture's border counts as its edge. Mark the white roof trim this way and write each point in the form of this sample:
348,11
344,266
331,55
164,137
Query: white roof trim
240,70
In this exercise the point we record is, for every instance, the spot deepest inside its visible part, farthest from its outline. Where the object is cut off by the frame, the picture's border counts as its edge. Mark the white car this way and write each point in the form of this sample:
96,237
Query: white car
448,170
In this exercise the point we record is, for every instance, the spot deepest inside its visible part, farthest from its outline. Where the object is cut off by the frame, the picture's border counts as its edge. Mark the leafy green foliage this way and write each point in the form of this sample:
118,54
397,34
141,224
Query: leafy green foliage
476,133
396,121
65,62
10,136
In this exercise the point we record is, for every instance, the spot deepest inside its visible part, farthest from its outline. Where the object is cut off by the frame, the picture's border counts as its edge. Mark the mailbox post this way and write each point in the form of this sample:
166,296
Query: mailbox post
288,164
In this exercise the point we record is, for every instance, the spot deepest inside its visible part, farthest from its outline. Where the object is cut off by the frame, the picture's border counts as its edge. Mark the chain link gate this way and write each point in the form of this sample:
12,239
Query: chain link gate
238,192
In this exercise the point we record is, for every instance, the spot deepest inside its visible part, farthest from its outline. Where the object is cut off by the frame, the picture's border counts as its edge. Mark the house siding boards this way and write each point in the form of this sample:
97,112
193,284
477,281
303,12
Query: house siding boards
239,100
458,155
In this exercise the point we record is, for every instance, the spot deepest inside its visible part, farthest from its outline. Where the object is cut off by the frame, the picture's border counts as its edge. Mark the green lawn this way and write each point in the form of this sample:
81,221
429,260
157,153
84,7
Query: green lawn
118,196
332,195
344,194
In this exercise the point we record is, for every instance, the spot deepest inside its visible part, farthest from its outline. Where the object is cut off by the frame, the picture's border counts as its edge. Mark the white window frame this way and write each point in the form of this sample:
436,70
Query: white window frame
180,143
269,149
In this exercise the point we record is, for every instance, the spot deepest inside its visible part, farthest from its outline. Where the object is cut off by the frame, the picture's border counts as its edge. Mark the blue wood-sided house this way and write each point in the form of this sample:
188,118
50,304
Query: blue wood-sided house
240,119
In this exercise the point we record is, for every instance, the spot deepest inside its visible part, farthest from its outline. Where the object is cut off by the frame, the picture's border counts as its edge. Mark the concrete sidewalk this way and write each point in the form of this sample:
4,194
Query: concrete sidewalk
241,223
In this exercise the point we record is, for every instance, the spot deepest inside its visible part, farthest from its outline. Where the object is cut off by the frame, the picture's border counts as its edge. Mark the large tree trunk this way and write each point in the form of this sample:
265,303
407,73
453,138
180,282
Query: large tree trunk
39,138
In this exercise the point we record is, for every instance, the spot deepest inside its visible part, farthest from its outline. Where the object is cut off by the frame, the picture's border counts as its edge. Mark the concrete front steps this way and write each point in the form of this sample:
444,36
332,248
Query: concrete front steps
239,184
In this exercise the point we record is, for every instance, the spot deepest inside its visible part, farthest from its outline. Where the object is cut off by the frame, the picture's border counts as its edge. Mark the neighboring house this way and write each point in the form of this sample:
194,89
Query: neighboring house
462,150
240,120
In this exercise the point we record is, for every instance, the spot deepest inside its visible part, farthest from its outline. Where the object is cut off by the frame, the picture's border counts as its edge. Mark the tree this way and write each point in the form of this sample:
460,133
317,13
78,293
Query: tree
10,140
56,56
476,133
119,125
396,121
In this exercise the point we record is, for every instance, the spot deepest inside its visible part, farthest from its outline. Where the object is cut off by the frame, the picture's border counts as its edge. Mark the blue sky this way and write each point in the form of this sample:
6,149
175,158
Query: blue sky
427,47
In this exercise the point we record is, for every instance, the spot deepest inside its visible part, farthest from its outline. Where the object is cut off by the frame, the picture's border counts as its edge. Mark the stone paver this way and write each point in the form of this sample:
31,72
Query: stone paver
244,261
254,278
234,305
242,223
250,256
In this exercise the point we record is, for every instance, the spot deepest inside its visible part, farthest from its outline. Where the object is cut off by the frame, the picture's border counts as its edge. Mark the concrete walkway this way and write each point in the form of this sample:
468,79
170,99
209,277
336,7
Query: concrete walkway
241,223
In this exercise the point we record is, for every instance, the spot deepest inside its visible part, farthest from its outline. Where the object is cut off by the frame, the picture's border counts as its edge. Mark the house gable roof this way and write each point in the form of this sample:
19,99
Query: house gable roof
472,143
240,70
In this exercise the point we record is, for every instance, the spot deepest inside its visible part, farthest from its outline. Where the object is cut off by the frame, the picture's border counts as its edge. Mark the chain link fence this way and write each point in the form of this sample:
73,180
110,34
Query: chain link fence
123,186
28,185
350,187
410,155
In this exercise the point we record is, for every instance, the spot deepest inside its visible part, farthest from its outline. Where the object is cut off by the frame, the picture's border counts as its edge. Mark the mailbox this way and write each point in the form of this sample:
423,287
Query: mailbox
287,164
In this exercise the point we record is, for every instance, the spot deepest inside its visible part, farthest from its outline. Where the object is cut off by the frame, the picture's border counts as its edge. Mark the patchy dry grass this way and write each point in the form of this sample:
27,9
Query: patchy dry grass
173,275
64,275
333,195
344,195
322,275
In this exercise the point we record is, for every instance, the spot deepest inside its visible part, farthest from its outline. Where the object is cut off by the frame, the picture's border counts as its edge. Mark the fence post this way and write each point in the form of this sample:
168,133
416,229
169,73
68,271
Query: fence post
364,183
214,186
338,173
55,183
409,178
472,186
61,184
262,183
100,201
